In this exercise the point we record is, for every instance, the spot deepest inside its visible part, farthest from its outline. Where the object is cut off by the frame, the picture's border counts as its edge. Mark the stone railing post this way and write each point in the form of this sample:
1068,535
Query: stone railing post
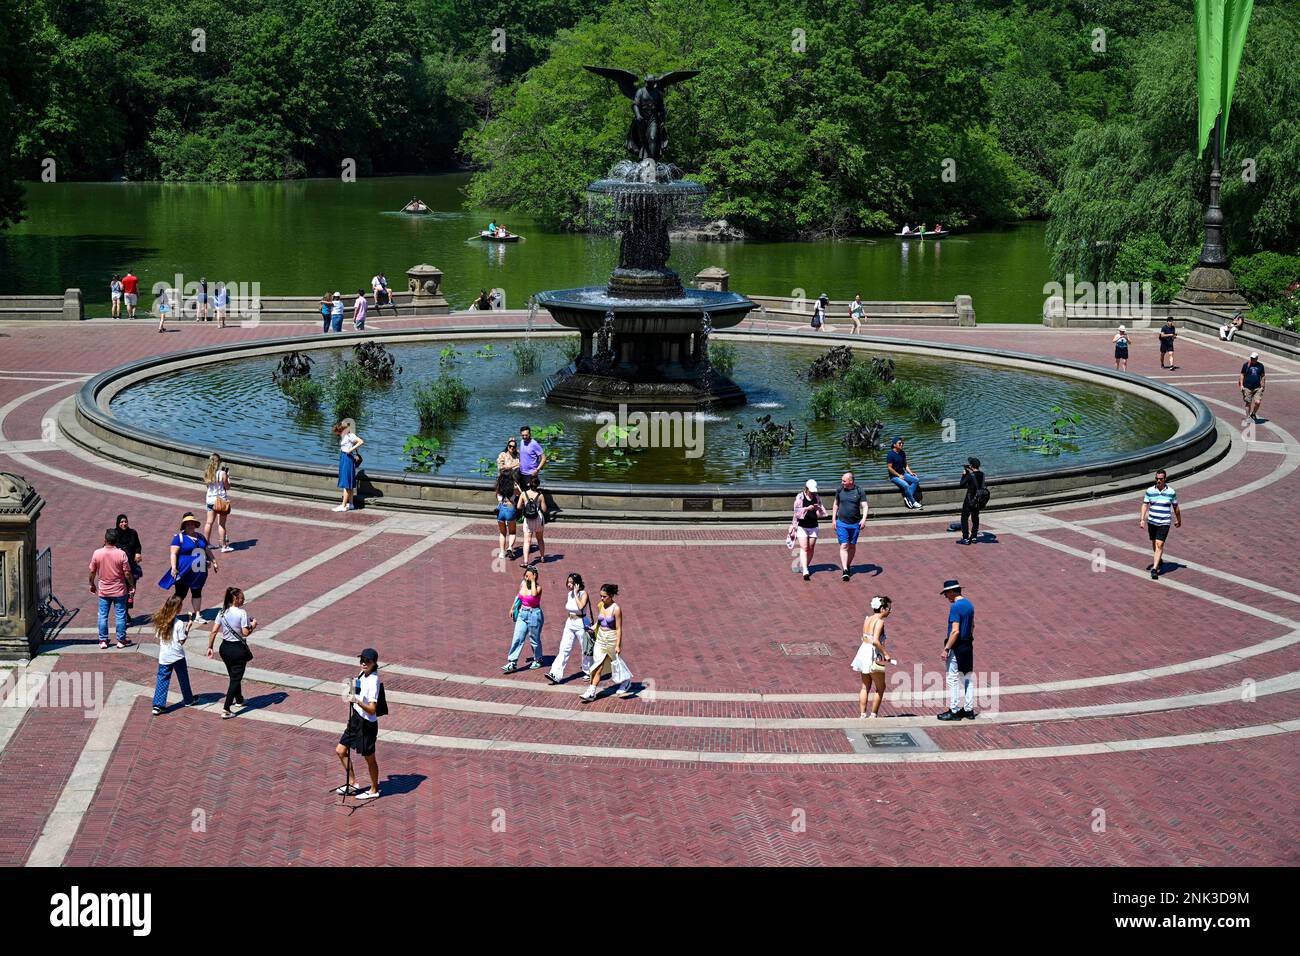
965,310
73,307
20,618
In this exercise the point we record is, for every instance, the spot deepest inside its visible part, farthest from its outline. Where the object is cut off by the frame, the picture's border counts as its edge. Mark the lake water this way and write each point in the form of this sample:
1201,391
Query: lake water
206,409
309,237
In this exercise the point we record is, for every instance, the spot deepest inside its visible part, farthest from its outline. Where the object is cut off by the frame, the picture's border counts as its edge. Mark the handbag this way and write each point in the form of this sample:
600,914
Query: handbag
221,506
588,642
620,672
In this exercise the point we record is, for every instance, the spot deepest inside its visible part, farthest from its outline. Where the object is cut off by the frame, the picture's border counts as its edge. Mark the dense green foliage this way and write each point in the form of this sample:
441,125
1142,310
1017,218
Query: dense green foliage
1138,173
269,88
347,390
439,402
1266,279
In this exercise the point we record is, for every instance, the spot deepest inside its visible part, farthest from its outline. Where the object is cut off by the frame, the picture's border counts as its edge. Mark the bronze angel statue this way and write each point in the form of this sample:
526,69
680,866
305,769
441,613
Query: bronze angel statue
648,135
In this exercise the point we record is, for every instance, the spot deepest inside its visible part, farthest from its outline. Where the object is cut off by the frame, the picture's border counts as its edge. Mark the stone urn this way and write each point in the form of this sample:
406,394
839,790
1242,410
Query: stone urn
20,616
424,283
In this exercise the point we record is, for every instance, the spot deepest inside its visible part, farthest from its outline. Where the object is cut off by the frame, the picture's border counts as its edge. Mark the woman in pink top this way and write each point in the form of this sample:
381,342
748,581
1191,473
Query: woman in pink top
527,613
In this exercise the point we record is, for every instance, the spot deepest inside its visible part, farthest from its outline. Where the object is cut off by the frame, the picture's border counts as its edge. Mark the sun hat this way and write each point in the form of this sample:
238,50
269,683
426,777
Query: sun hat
811,485
187,518
950,585
1122,329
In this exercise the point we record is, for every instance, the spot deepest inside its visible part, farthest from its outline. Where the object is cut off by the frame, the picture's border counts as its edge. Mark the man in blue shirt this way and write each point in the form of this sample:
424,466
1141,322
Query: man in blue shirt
959,654
901,475
1251,383
532,458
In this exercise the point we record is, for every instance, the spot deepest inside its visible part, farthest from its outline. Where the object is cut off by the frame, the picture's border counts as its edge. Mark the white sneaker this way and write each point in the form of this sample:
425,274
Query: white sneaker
368,795
339,508
227,549
919,506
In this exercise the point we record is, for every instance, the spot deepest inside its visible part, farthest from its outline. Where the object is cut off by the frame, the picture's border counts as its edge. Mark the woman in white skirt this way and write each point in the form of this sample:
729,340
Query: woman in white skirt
576,625
217,495
872,657
607,652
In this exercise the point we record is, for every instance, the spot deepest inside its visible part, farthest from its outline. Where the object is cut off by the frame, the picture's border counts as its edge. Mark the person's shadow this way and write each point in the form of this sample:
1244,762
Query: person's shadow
874,570
1169,567
396,784
244,545
263,701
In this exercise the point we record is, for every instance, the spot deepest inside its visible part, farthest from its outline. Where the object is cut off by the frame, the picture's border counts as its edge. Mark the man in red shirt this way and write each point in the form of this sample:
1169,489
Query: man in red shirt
130,288
111,579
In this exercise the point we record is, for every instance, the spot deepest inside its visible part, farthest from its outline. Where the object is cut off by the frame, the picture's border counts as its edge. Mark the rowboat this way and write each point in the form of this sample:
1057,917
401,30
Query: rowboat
417,206
491,237
923,235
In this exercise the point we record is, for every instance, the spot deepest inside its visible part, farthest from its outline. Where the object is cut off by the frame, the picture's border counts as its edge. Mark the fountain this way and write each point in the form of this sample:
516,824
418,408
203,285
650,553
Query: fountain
644,336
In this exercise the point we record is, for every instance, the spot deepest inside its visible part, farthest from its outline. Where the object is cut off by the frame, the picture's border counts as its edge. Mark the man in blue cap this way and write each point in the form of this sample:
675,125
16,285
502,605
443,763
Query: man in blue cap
959,653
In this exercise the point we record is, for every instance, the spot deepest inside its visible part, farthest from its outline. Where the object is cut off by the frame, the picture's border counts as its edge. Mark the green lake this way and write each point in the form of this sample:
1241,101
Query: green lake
312,236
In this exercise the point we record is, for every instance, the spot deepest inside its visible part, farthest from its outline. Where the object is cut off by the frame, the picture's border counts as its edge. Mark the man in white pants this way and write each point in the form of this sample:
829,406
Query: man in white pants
958,654
578,606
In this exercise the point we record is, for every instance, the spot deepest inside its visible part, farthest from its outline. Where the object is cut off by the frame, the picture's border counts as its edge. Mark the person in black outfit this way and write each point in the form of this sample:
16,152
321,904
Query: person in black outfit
972,479
129,542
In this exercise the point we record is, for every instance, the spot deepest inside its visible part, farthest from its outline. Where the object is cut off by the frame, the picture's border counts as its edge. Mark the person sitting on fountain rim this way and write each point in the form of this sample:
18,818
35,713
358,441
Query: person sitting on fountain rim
902,476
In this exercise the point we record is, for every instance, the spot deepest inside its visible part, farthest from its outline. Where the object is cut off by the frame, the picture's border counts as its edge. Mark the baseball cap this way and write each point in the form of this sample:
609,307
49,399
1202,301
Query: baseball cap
1254,355
811,485
370,654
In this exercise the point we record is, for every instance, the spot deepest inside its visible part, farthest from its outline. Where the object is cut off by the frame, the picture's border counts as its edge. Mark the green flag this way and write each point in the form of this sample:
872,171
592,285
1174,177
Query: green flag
1220,36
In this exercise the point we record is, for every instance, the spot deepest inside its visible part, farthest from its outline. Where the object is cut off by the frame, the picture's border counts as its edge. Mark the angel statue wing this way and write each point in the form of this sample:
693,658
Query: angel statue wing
676,76
627,82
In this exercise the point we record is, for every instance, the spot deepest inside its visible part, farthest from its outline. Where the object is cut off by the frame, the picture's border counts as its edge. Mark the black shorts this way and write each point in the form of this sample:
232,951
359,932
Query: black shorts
1157,532
360,734
1166,346
194,592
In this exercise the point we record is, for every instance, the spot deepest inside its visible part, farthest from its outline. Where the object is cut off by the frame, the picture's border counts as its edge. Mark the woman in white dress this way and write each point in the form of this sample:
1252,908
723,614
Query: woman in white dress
872,657
217,495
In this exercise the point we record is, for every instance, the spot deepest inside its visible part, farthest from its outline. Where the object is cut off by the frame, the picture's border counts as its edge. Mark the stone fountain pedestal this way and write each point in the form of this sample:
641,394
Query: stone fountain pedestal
20,616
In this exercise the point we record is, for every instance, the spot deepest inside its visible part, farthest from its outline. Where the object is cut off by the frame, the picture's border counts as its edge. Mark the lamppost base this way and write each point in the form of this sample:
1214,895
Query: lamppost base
1212,287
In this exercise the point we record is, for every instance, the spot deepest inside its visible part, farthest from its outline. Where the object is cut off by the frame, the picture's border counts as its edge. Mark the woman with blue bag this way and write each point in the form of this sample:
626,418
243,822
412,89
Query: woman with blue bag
191,560
527,615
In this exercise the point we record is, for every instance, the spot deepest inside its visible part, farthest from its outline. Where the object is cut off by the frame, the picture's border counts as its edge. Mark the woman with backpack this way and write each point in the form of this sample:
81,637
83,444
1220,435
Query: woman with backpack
532,505
808,510
977,496
234,627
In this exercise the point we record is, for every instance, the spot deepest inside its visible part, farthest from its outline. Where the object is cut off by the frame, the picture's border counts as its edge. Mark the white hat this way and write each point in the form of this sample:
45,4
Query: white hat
338,295
1254,355
1121,328
811,485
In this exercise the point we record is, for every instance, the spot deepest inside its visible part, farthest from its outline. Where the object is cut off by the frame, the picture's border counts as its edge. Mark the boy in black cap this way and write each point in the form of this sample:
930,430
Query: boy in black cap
959,653
367,700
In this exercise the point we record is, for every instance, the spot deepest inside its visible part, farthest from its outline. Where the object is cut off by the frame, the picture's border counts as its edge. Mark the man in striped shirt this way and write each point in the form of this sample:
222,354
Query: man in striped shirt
1159,510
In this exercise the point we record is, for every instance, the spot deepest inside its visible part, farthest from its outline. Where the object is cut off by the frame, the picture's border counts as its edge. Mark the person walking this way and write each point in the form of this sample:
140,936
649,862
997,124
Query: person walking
349,462
172,628
129,542
528,618
977,496
532,505
359,308
903,477
336,312
362,731
857,312
607,646
164,306
1121,349
871,658
191,559
532,456
849,512
115,294
1251,383
1159,510
130,293
959,654
507,514
216,481
577,626
819,312
111,581
221,302
234,627
1167,335
808,511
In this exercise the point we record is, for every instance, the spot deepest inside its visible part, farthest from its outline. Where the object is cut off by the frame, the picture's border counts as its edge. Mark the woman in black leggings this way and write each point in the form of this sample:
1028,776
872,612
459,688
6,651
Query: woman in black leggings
234,628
